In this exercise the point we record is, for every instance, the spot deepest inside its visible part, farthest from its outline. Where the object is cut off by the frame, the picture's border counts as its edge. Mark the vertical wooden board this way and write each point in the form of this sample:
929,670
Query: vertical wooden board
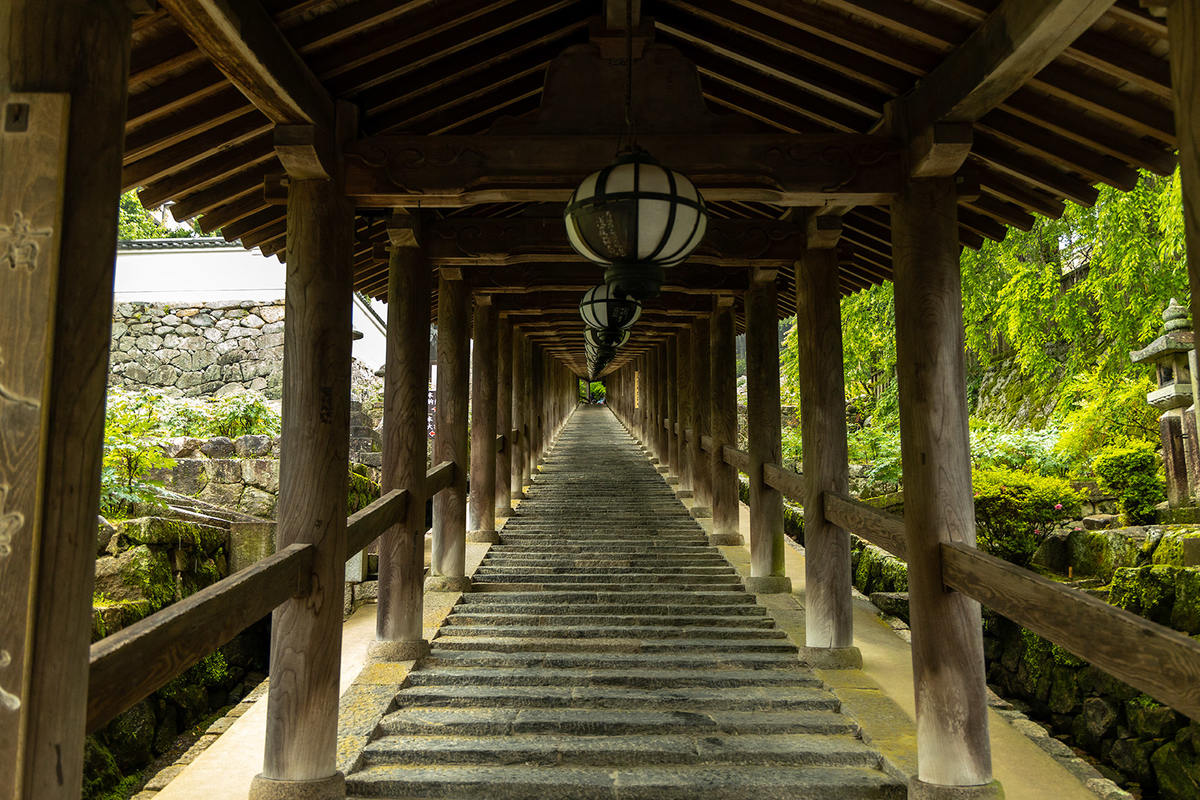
1183,25
33,162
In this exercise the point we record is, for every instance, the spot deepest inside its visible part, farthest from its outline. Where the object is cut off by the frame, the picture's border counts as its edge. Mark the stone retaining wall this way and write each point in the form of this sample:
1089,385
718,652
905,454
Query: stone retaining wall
201,349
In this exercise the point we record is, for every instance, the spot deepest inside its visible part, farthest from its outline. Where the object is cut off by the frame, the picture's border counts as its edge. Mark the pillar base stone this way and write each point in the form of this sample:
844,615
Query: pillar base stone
684,494
331,788
769,584
504,512
519,495
445,583
919,790
832,657
412,650
483,537
725,539
700,512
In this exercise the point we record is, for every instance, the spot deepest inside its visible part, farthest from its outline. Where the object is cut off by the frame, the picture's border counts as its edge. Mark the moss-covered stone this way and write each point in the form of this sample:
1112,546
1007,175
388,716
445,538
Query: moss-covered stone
1148,591
1100,553
361,493
1178,775
1185,616
130,736
150,572
1150,719
180,534
100,771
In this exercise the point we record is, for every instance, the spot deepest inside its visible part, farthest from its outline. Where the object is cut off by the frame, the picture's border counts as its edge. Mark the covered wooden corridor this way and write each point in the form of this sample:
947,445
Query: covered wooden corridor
423,152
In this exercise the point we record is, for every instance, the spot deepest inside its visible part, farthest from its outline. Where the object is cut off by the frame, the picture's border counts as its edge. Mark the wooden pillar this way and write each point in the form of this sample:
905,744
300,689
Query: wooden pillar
683,404
701,414
398,619
672,411
765,433
828,612
723,418
504,418
482,522
520,402
947,638
447,568
62,175
529,415
537,388
1183,27
662,387
306,631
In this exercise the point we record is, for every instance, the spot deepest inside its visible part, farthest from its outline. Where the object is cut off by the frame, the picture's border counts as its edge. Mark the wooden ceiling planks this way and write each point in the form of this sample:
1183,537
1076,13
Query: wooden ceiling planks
1095,114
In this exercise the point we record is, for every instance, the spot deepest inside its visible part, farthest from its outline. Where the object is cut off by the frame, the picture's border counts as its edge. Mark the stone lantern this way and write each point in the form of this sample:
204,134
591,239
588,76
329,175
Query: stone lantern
1170,355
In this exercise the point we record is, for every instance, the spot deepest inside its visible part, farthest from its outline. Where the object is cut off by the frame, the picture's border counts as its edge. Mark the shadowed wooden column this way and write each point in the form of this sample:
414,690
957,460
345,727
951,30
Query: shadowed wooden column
398,619
537,406
482,521
306,631
447,568
683,363
701,414
765,433
723,419
829,626
529,415
947,635
520,405
663,389
672,411
504,417
64,68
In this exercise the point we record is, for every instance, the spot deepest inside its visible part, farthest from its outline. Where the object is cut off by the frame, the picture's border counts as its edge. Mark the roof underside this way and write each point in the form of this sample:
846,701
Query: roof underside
1098,112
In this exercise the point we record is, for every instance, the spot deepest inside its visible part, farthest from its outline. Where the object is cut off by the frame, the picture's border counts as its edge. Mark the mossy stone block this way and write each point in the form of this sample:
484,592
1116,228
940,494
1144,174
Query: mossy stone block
1185,615
1177,772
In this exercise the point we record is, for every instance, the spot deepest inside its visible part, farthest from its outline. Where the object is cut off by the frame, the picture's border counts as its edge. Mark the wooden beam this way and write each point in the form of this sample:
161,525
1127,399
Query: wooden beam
1012,45
243,42
939,149
463,170
884,530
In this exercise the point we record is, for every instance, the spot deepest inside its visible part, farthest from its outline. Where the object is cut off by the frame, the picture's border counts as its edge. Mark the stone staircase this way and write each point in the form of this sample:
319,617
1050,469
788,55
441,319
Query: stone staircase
608,652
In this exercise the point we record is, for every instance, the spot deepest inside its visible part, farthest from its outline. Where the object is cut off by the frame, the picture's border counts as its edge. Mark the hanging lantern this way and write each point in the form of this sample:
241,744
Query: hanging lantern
602,308
635,217
607,338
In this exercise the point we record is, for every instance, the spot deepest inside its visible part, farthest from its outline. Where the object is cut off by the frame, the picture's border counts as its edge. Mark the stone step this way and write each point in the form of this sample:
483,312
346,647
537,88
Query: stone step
632,678
520,782
503,644
798,749
556,611
649,666
716,595
743,698
541,621
605,560
621,579
607,549
669,632
632,587
607,722
542,568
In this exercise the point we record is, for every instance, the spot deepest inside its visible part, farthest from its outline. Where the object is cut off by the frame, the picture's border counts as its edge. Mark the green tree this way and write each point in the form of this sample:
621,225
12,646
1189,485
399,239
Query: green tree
135,222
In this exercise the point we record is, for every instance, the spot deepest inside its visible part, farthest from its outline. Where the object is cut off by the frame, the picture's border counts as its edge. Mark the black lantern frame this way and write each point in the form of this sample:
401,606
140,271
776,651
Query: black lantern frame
636,217
606,338
602,308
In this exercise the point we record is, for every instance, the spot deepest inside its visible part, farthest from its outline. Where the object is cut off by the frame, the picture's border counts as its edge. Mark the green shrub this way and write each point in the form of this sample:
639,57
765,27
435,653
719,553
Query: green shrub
130,426
241,413
1020,449
1132,474
1014,510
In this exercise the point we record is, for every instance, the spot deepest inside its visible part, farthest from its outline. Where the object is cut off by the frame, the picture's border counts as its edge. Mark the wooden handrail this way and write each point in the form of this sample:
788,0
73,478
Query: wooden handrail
515,436
739,459
706,444
873,524
133,662
786,481
1161,662
365,526
439,478
500,442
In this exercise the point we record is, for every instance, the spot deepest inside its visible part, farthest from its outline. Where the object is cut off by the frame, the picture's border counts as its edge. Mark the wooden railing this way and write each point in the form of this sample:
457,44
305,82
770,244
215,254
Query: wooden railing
132,663
1153,658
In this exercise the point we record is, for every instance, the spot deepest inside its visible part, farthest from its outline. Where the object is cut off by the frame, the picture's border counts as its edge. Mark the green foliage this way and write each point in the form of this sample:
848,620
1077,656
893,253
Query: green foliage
1132,474
1014,510
598,392
135,222
877,446
1105,411
1131,245
131,423
1024,449
240,413
362,492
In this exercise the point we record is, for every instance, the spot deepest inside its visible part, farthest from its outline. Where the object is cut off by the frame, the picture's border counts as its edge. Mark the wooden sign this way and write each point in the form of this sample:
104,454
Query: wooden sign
32,160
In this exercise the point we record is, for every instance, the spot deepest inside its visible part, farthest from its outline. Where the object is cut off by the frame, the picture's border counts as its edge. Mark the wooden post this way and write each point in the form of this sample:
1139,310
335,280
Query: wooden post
765,432
65,67
520,402
447,568
504,418
947,635
683,404
306,631
1183,28
672,367
529,416
829,627
701,414
723,418
398,619
483,422
537,388
662,385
